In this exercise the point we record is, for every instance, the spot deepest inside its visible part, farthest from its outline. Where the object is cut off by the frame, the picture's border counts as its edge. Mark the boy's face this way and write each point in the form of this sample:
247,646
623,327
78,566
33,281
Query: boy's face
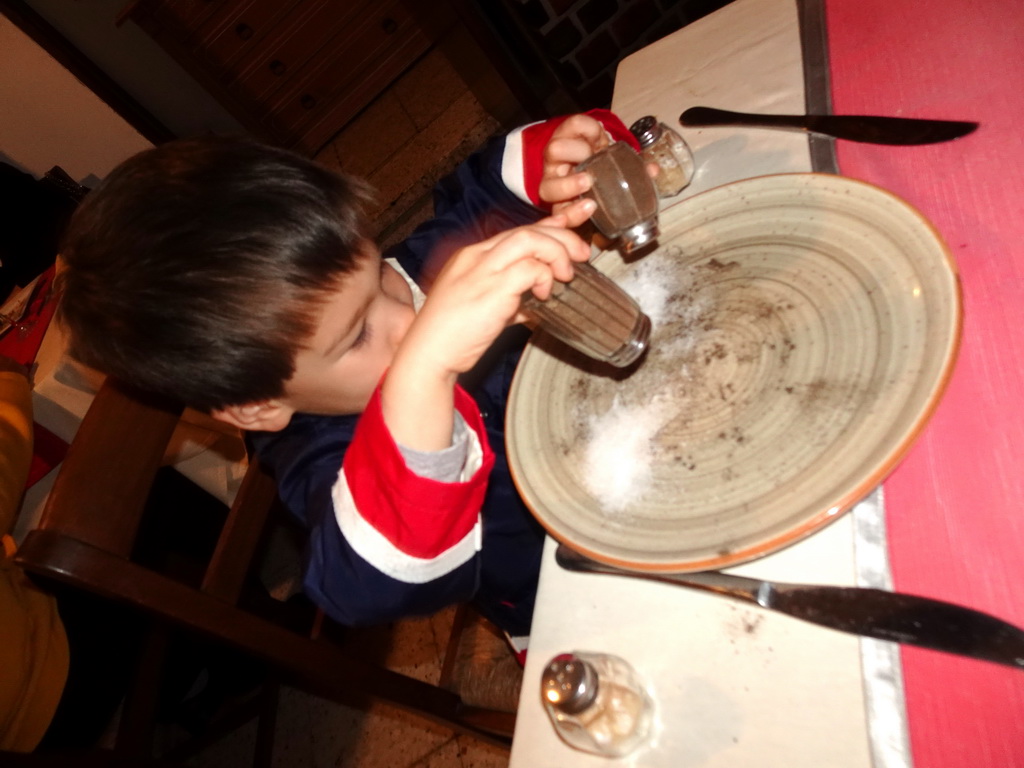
359,328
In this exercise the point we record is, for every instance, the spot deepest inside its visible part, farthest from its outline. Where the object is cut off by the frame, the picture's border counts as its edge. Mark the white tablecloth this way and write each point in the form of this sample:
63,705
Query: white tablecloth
734,685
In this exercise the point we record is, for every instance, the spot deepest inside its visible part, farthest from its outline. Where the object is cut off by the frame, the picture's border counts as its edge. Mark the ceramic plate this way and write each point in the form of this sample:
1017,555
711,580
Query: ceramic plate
805,326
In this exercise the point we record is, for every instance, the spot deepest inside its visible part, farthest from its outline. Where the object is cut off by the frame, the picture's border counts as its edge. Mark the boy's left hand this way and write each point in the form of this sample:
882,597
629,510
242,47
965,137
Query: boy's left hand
573,141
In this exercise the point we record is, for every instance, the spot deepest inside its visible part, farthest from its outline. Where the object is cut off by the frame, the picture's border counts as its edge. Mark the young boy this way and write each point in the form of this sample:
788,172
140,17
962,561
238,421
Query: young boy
240,279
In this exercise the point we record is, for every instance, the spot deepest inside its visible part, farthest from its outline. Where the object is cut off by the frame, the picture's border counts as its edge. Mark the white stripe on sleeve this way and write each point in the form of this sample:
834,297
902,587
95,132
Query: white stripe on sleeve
512,173
371,545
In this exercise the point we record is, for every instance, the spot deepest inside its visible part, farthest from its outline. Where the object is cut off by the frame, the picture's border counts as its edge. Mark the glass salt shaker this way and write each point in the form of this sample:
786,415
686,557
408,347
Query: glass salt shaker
627,200
596,702
662,145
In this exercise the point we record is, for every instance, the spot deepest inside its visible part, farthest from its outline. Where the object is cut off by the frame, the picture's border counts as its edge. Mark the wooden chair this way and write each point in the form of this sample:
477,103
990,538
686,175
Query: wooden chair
86,539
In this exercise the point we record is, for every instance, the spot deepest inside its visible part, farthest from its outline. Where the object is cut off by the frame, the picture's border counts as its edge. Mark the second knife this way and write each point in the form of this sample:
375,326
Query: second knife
864,128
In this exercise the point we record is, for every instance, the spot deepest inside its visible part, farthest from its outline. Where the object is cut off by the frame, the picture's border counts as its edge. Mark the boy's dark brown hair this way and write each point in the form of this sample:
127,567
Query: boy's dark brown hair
196,269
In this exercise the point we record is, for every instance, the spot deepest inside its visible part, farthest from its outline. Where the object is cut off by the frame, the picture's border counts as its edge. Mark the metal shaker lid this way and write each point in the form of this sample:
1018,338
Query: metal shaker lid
569,684
647,130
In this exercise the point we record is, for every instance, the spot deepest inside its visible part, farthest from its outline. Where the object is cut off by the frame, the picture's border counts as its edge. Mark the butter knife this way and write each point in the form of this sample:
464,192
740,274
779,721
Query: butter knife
875,613
874,130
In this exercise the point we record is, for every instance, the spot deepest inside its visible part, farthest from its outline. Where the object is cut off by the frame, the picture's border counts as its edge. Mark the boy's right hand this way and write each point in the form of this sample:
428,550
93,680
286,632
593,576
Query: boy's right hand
478,292
474,298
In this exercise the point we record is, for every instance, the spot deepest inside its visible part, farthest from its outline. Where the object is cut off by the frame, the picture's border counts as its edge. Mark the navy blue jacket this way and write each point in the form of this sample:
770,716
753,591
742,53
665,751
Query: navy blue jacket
471,205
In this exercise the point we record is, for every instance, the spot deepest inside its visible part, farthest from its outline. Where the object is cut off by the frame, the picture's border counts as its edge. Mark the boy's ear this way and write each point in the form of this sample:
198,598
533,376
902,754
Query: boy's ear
264,416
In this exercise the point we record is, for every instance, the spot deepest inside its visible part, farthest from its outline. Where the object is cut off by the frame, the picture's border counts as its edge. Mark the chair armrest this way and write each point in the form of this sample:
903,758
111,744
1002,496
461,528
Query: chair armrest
316,666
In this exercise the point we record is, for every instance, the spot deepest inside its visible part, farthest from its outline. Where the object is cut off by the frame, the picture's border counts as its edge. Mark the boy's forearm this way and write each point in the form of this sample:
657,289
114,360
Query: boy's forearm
419,405
447,466
410,528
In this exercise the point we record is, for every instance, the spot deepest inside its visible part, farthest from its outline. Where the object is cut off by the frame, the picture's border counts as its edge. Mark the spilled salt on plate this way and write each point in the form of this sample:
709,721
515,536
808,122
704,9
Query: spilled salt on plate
621,450
620,453
650,292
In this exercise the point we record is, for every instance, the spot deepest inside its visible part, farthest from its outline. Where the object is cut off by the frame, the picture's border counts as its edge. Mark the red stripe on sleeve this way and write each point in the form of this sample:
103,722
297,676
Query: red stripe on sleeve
419,516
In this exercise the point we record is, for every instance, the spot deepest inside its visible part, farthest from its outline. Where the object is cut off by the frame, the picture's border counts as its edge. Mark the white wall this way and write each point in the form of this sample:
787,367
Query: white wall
137,64
48,117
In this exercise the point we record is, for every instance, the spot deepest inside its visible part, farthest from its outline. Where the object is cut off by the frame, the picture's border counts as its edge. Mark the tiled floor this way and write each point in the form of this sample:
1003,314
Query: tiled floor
412,135
314,733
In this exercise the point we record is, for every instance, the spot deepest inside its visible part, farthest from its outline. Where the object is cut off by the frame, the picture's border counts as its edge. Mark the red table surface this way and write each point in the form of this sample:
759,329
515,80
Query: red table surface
954,506
22,344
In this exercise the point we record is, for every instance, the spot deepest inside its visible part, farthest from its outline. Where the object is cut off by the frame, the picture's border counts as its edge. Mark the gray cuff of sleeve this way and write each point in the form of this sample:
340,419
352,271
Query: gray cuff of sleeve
444,466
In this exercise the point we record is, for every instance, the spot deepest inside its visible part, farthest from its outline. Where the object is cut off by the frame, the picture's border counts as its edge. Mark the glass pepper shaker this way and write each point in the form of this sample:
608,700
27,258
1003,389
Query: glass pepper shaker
662,145
627,200
596,702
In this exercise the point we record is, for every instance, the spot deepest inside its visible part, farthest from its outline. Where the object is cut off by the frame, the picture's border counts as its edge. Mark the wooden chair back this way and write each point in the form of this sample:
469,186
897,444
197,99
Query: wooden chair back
88,531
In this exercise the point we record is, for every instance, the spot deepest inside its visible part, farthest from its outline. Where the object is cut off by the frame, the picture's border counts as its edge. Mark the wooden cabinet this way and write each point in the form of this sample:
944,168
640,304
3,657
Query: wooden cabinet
294,72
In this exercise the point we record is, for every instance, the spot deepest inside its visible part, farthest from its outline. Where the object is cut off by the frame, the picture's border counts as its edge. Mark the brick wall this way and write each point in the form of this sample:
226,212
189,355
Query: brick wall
583,40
